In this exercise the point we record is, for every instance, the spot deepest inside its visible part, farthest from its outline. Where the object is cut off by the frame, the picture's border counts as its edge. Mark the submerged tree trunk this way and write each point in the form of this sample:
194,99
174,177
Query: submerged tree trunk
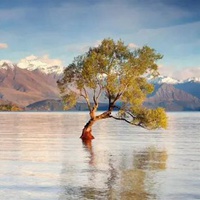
87,131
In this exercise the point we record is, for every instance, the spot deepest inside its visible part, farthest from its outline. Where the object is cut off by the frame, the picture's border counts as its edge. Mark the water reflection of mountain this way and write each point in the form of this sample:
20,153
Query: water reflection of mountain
117,178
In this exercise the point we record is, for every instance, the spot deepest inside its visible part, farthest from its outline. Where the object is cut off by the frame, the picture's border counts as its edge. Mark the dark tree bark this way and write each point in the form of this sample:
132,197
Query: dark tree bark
87,130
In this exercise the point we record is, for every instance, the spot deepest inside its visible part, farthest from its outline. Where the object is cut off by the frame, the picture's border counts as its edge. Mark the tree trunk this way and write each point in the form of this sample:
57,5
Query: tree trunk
87,131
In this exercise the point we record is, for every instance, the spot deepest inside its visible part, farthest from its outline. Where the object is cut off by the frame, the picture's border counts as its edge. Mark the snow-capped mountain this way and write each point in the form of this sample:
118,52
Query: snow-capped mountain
162,79
190,85
166,79
22,87
34,79
192,79
50,66
173,99
5,64
31,63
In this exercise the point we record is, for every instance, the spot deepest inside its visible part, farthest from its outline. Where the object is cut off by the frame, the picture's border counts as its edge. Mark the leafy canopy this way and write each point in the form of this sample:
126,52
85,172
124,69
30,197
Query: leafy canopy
114,71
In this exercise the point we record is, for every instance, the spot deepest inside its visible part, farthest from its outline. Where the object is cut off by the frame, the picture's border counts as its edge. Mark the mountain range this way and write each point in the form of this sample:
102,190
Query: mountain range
24,86
31,84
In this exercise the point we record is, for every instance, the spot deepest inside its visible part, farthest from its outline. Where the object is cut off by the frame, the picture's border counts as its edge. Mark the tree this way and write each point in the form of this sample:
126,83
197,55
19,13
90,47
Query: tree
10,107
114,71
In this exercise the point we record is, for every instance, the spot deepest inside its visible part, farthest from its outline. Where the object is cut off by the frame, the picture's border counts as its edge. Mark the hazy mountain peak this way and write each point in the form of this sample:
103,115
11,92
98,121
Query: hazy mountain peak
166,79
44,64
193,79
171,98
31,57
31,63
162,79
6,64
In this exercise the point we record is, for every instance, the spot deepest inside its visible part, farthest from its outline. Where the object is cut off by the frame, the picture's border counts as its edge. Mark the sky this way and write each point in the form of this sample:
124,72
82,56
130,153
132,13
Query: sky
59,30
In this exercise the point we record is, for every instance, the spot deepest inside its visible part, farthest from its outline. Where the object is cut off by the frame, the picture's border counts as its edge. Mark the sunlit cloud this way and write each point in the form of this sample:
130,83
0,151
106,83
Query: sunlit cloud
51,61
66,29
3,46
132,46
166,70
180,74
189,72
43,59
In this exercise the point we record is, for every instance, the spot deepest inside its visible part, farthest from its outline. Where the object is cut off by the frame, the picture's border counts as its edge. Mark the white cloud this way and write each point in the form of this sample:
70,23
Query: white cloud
42,60
166,70
97,43
3,46
180,74
132,46
31,57
189,72
50,61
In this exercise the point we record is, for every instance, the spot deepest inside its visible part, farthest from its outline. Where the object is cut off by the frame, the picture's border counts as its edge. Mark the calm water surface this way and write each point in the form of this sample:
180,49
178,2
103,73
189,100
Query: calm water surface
42,157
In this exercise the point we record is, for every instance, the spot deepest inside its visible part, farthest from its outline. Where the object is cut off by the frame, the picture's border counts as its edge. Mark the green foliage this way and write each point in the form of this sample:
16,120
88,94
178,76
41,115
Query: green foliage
69,100
9,107
150,118
113,70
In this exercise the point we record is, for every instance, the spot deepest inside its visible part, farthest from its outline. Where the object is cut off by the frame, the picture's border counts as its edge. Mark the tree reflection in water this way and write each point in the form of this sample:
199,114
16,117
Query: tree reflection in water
123,178
138,182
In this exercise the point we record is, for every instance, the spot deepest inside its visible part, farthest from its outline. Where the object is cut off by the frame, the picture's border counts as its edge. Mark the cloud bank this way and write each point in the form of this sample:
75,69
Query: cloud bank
45,59
180,74
189,72
3,46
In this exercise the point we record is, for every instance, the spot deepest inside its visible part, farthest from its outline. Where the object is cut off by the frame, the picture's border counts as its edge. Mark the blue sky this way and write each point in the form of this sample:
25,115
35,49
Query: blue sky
63,29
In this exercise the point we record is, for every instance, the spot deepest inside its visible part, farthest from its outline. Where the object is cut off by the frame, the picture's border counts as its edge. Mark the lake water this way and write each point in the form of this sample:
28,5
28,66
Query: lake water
42,157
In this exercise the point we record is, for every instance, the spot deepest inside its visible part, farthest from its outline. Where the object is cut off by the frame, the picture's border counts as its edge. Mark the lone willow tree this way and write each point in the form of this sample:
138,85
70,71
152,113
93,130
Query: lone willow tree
114,73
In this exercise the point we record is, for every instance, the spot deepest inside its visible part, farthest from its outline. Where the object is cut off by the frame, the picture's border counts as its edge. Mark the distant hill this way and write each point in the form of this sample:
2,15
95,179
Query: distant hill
192,88
172,99
32,84
46,105
190,85
165,95
23,87
57,105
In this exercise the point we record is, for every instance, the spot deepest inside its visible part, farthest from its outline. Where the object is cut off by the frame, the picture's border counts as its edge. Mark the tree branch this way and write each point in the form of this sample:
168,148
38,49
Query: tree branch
124,119
126,111
116,98
104,115
100,91
120,118
96,97
86,99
